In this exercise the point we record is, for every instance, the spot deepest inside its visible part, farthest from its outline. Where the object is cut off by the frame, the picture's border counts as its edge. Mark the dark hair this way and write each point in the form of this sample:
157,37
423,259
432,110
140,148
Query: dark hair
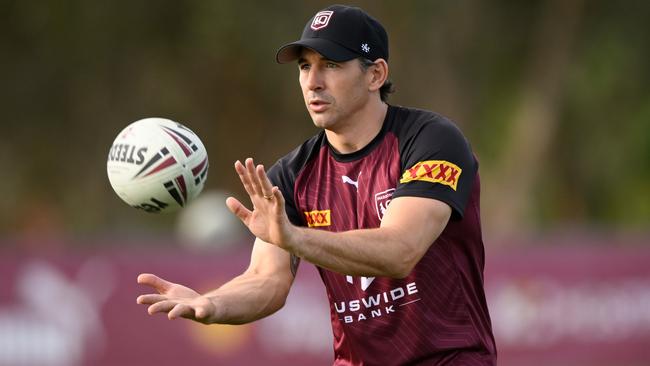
385,89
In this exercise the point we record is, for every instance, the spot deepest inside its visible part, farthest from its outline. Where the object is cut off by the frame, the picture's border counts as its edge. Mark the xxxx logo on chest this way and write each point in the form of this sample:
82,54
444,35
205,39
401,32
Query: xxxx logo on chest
434,171
318,218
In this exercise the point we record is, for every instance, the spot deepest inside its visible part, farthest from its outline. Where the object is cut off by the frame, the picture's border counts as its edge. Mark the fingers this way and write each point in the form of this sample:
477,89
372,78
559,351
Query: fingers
174,299
181,310
244,178
173,308
278,196
150,299
251,179
254,179
263,181
238,209
197,313
250,174
161,307
201,313
154,281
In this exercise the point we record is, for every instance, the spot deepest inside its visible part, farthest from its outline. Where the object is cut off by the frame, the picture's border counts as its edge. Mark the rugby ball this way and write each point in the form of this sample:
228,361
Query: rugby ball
157,165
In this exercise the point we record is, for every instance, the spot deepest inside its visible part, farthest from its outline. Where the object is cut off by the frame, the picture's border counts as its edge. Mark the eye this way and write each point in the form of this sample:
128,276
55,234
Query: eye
304,66
331,65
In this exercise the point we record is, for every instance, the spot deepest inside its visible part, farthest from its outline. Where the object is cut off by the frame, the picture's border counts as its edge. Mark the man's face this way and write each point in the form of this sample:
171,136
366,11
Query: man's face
333,91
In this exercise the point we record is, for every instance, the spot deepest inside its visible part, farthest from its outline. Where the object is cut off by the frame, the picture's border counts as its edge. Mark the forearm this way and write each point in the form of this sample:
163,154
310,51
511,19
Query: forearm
408,229
368,252
247,298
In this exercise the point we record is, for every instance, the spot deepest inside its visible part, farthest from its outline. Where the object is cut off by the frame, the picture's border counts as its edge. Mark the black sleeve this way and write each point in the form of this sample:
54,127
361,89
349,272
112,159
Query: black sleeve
283,175
285,171
280,176
437,162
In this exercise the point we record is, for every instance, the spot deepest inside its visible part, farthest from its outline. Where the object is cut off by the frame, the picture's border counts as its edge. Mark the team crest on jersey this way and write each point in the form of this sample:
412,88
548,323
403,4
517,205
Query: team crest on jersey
318,218
321,19
382,199
434,171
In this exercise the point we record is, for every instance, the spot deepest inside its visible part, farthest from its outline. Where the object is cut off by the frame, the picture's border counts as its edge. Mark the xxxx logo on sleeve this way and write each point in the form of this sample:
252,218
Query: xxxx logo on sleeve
318,218
434,171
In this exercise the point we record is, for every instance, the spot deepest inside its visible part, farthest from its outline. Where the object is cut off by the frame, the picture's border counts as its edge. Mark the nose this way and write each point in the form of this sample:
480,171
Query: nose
314,79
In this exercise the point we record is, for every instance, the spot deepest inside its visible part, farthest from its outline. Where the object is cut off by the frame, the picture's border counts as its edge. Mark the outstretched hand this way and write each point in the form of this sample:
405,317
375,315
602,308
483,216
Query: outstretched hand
175,300
268,219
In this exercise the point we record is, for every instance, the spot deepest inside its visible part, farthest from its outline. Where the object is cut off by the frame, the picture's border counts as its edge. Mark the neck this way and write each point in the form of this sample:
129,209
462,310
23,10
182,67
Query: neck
361,128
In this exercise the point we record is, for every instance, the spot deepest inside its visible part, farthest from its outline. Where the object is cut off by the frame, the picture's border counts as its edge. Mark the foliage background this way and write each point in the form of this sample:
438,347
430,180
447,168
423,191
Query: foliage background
553,95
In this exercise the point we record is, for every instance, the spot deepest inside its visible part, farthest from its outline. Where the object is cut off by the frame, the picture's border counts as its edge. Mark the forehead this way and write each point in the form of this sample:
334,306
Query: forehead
309,54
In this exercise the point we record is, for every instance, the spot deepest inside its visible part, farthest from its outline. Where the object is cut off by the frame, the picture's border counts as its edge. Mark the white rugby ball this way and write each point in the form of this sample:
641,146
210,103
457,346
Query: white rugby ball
157,165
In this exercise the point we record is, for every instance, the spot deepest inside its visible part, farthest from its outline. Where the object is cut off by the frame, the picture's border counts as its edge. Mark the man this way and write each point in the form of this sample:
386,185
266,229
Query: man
384,201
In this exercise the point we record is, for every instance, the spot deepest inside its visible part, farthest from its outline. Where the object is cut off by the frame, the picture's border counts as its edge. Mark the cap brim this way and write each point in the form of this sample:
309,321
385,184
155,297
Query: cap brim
330,50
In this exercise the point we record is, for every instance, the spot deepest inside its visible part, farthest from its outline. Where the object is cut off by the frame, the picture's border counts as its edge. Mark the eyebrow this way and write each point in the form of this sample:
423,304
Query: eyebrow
321,58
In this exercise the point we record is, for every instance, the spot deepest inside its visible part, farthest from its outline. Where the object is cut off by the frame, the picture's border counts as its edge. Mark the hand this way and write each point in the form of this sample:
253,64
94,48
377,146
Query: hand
175,300
268,219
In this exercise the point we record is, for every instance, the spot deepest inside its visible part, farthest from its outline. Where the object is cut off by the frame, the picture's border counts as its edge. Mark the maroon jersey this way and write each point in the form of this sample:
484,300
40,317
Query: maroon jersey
437,314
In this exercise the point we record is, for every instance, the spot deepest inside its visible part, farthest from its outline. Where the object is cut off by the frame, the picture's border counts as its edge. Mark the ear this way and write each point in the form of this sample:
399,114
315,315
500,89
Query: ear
377,74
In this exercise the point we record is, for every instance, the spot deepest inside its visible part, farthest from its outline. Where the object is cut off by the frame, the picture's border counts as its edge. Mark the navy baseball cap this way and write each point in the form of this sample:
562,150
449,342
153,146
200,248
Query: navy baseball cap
339,33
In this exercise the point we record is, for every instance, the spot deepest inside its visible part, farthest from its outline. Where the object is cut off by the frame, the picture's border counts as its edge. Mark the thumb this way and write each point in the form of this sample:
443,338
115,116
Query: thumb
238,209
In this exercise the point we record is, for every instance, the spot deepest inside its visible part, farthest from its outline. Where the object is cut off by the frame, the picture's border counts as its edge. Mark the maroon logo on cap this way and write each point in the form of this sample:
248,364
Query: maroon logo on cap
321,19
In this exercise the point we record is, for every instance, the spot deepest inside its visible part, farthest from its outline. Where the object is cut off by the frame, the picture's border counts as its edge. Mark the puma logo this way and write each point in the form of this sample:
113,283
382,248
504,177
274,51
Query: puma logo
365,281
348,180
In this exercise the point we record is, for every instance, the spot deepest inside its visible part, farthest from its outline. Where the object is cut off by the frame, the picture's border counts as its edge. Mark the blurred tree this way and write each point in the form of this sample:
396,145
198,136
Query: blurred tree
553,95
536,118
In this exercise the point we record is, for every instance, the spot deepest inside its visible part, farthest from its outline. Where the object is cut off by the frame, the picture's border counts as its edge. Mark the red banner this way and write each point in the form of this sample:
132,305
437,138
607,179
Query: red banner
561,305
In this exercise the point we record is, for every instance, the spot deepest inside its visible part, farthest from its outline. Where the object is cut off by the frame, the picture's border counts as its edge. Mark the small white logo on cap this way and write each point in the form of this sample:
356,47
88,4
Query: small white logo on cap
321,19
365,48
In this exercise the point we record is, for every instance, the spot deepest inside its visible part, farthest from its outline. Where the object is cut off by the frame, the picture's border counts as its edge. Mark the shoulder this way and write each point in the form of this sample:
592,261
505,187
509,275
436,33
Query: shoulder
413,120
436,159
420,126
